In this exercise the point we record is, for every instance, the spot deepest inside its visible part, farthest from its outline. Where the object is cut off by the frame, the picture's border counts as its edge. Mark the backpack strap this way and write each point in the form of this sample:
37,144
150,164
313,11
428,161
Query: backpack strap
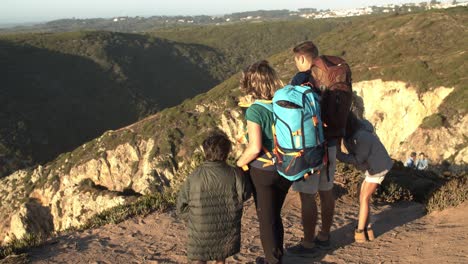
267,104
266,162
315,119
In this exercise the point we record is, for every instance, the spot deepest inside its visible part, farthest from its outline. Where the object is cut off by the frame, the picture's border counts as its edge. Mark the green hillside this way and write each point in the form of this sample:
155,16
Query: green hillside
425,49
366,43
60,90
244,43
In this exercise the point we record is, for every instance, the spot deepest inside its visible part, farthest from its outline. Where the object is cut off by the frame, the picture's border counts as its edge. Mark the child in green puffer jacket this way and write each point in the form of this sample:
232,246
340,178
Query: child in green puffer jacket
211,201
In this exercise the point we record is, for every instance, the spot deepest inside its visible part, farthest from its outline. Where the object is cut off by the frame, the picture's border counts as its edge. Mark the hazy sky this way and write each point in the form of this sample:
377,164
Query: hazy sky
17,11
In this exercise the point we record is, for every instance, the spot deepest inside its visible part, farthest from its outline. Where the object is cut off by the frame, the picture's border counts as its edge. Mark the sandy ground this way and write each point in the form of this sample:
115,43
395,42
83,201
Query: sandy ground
404,235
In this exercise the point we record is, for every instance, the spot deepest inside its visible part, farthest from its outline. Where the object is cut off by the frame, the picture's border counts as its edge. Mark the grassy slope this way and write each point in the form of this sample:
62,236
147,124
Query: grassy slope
63,89
426,50
422,49
60,90
244,43
181,126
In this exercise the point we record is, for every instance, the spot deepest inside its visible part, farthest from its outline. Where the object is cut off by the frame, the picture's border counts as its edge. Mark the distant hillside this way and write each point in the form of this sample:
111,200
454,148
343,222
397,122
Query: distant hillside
387,54
140,24
60,90
243,44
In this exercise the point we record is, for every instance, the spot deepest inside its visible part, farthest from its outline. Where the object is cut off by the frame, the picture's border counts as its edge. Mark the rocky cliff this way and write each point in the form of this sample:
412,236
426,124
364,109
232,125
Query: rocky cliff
397,111
99,176
67,192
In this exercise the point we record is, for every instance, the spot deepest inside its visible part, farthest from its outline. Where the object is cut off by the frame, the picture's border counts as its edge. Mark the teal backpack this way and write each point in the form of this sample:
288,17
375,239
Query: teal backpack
298,132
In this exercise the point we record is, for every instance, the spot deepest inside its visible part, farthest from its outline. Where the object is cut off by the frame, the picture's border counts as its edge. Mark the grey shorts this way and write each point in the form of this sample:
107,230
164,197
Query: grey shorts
319,182
376,178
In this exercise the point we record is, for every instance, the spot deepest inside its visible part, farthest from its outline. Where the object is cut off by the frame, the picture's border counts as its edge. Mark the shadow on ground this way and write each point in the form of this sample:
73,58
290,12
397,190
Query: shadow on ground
396,215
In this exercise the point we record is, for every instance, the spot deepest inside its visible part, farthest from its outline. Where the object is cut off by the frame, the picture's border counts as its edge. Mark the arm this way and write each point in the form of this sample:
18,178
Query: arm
426,163
301,78
360,155
183,200
255,144
422,164
409,163
243,186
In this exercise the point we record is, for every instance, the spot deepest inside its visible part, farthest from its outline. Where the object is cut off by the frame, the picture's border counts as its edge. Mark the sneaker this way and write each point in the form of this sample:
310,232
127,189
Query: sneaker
323,244
300,249
359,236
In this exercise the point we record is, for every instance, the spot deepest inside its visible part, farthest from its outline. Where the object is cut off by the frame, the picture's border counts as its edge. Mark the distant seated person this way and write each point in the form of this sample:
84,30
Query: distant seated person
422,163
411,162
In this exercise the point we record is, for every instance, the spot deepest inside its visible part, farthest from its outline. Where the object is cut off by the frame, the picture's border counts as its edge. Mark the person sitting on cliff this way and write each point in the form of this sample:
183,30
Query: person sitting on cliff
211,201
411,161
368,154
422,163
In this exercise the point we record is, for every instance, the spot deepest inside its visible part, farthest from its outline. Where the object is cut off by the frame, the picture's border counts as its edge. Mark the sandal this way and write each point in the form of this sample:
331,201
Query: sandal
359,236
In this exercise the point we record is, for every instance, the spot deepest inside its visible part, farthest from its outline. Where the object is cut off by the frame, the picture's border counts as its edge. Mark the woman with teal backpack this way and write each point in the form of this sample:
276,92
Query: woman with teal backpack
260,81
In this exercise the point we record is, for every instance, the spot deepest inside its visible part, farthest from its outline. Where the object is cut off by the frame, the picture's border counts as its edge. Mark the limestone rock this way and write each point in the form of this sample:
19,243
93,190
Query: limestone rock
30,218
397,111
78,185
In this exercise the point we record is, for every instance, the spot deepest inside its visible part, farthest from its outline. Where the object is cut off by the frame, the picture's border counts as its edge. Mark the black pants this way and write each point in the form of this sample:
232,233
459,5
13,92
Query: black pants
270,192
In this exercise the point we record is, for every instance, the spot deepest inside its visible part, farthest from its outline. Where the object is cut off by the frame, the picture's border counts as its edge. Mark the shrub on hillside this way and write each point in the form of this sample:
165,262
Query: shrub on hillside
390,191
400,184
453,193
18,246
433,121
143,206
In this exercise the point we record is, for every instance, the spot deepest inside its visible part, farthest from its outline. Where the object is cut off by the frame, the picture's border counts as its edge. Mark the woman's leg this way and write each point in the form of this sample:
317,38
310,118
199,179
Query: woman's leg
369,213
269,203
281,191
263,184
367,189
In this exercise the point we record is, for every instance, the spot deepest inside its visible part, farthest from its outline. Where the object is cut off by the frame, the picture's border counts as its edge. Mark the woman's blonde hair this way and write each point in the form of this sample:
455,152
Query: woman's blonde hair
260,80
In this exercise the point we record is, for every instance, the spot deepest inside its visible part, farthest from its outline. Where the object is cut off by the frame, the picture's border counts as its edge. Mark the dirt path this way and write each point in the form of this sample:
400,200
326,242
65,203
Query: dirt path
404,236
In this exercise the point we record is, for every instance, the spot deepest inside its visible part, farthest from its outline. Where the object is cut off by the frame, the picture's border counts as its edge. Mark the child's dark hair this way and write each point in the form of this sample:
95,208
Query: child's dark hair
306,48
216,146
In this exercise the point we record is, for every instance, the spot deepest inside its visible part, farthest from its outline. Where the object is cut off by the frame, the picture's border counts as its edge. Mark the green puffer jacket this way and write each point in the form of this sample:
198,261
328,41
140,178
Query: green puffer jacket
211,201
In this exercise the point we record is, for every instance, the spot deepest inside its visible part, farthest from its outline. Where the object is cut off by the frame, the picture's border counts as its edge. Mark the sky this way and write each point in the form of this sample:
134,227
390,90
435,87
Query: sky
21,11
